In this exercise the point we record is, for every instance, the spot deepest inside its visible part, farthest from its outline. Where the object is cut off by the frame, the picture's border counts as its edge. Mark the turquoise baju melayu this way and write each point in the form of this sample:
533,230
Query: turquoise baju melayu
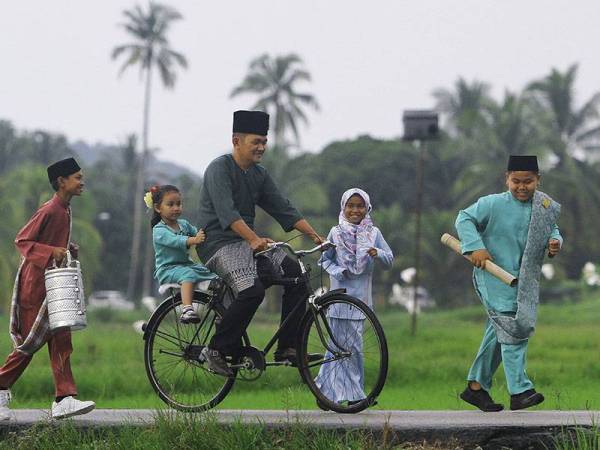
500,224
173,262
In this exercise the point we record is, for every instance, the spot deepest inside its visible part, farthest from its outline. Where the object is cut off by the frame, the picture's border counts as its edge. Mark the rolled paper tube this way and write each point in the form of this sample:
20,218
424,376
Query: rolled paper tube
490,267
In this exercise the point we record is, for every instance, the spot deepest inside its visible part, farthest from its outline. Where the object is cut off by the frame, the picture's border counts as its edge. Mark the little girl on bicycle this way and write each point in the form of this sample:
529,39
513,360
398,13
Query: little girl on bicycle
350,265
172,237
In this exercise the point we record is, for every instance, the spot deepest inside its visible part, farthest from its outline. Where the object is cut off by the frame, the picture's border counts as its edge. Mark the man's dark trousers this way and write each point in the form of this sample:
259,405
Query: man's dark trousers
229,331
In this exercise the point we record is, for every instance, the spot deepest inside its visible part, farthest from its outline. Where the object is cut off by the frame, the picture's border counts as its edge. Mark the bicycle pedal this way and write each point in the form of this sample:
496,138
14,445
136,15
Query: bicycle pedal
220,374
280,363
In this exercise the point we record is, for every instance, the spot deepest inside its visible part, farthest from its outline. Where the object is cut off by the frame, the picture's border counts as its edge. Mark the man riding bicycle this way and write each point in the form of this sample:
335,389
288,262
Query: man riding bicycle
233,185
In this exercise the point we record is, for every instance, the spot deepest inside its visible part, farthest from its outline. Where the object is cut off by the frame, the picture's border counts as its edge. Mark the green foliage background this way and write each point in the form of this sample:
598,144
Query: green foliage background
468,161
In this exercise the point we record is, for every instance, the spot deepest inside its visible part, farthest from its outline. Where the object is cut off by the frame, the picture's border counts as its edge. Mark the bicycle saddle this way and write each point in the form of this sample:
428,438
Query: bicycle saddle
202,286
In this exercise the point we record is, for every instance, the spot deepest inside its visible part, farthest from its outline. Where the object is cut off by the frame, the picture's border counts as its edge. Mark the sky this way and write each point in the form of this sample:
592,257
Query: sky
369,61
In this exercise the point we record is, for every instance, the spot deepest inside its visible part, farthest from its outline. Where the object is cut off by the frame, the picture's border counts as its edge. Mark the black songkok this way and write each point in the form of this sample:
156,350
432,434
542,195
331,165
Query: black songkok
251,122
527,163
62,168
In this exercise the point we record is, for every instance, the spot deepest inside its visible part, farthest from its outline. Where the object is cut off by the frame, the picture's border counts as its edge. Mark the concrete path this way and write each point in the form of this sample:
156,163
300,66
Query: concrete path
519,429
395,419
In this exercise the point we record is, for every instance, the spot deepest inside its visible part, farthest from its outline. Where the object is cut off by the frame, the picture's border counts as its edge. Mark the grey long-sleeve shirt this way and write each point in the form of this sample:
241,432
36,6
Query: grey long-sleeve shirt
230,194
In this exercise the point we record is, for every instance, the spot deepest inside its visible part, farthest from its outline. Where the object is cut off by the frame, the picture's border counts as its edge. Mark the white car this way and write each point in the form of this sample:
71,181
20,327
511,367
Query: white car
109,299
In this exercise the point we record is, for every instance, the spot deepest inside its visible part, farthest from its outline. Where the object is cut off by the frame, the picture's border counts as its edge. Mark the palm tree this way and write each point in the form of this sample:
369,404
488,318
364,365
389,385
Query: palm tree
509,130
469,114
578,130
573,134
273,80
466,107
149,50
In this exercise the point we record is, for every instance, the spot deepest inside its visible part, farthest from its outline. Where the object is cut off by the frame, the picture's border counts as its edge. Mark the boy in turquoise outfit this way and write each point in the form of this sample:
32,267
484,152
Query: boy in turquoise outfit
514,229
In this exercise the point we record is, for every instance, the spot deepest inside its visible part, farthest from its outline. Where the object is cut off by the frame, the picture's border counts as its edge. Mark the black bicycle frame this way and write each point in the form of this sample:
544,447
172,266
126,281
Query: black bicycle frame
305,279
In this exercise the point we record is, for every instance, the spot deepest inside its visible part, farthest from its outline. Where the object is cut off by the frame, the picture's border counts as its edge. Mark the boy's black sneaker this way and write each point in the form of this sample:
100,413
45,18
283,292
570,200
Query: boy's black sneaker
525,399
481,399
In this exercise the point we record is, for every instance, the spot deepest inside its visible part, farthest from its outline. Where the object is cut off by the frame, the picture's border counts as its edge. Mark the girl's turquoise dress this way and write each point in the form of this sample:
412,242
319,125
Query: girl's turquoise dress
173,262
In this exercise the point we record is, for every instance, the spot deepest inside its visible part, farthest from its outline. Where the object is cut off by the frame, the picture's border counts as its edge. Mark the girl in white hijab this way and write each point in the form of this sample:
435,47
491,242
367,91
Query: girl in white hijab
350,266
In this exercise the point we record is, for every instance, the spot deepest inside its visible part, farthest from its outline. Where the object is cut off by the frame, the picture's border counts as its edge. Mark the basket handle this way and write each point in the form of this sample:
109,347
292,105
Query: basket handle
66,262
69,259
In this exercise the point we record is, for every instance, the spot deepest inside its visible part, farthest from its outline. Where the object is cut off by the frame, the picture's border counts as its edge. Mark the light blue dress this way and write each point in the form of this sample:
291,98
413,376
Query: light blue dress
343,380
498,223
173,262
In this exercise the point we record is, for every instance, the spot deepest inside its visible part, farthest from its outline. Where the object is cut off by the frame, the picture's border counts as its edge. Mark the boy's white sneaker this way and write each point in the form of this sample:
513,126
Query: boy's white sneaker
5,412
70,406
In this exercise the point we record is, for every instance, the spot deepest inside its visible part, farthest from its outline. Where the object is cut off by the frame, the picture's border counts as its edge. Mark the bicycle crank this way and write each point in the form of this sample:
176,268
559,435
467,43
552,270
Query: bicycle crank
251,364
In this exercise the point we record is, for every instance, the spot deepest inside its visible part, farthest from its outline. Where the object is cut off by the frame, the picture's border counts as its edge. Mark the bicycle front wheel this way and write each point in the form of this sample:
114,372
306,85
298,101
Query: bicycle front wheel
353,368
172,354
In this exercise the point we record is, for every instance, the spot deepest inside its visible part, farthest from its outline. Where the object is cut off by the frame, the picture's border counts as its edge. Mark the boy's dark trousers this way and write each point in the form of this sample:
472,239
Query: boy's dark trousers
229,332
59,348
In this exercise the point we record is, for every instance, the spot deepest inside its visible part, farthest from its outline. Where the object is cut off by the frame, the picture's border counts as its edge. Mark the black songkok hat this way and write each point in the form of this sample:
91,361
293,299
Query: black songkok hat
62,168
252,122
526,163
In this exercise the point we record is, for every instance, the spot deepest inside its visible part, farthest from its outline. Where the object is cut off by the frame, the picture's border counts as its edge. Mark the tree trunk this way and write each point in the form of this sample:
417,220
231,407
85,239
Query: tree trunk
148,277
146,232
416,278
138,195
135,241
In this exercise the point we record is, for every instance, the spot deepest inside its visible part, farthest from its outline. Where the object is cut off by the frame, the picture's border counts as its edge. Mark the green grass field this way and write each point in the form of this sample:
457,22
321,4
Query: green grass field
197,432
426,372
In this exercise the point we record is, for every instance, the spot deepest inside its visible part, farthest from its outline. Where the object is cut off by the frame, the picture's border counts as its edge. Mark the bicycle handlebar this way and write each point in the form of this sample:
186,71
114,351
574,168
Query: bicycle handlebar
297,253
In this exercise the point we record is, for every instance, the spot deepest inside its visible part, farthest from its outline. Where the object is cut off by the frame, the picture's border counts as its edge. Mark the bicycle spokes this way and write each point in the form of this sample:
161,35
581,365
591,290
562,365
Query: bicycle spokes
354,367
174,359
327,337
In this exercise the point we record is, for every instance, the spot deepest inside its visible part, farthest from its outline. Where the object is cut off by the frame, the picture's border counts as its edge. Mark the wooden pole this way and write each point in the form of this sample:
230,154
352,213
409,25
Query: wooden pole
420,164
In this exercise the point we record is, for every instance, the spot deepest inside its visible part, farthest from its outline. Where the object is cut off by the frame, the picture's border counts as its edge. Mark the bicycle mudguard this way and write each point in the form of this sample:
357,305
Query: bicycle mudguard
332,293
145,326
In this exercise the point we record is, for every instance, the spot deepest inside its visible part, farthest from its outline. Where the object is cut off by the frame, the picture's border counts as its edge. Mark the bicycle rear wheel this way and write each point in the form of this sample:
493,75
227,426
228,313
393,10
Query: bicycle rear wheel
353,369
172,354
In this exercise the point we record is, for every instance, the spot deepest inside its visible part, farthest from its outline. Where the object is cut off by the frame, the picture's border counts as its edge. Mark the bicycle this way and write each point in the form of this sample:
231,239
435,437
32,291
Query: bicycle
178,373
